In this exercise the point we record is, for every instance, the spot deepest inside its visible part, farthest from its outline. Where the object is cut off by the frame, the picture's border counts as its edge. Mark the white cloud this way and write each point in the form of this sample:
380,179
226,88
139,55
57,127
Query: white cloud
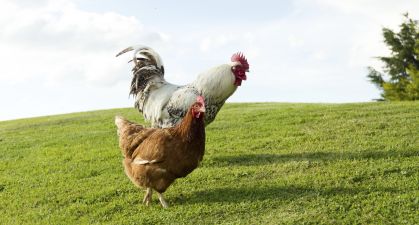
57,58
59,42
318,53
385,12
55,52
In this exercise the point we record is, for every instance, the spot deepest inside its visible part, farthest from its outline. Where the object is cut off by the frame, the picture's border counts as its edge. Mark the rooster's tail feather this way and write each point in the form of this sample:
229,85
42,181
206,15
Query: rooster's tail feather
148,73
142,53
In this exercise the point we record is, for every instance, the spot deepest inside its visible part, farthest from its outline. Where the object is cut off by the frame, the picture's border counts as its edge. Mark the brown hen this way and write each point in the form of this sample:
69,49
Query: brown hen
155,157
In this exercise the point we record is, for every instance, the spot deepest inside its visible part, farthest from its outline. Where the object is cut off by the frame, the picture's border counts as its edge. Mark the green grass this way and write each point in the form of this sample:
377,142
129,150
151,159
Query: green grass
265,163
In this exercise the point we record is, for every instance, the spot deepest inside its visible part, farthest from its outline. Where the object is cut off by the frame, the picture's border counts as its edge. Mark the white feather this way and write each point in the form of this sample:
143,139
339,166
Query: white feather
154,107
144,161
139,49
216,83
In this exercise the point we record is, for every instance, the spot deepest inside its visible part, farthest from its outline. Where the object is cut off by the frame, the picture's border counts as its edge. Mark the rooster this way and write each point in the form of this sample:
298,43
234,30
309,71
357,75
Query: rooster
165,104
155,157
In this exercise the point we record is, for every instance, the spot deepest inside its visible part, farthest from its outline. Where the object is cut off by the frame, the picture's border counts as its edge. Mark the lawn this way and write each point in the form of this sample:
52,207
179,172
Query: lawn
265,163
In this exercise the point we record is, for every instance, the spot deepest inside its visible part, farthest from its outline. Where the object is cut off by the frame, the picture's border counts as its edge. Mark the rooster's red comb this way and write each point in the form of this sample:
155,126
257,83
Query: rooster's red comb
239,57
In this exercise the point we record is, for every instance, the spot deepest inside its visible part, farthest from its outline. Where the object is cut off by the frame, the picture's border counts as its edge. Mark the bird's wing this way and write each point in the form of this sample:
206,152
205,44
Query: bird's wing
131,135
153,149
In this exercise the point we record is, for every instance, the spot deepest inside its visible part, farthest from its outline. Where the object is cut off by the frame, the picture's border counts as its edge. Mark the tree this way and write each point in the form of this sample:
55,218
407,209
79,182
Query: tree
402,67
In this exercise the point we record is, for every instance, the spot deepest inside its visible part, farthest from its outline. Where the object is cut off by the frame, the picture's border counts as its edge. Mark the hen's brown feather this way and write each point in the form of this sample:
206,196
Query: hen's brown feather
156,157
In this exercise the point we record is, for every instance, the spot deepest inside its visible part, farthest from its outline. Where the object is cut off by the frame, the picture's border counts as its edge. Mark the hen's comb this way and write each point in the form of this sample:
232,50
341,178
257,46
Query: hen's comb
200,99
239,57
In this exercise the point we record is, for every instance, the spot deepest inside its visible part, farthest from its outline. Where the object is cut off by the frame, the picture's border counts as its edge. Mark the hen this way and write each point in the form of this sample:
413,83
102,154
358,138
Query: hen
155,157
165,104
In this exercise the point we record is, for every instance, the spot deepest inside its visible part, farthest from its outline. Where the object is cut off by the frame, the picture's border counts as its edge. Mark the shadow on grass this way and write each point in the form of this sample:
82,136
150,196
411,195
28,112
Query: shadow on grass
248,194
262,159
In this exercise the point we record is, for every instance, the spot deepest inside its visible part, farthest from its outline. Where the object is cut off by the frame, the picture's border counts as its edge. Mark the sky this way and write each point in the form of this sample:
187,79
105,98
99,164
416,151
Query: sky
58,56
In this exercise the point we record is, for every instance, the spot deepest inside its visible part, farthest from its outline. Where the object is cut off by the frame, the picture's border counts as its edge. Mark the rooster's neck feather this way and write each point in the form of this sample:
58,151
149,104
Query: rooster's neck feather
216,83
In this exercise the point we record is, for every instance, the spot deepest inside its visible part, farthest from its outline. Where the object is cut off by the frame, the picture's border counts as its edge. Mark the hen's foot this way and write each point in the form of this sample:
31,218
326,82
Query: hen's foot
147,196
162,201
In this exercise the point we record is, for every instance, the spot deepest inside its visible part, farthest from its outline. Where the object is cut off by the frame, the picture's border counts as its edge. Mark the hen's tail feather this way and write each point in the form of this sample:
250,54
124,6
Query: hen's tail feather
119,122
127,140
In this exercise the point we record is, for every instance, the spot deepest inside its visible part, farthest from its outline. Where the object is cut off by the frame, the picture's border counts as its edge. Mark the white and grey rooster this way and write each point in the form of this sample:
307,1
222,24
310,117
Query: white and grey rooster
165,104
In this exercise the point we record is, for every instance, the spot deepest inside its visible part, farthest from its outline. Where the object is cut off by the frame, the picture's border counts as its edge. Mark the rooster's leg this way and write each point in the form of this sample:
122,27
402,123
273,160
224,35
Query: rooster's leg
147,196
162,201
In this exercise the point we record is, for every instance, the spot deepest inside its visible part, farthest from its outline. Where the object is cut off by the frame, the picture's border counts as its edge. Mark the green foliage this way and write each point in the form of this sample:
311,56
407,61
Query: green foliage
412,88
402,65
265,163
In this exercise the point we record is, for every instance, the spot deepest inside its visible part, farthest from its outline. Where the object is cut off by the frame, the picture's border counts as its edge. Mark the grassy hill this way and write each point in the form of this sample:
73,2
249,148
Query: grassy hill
265,163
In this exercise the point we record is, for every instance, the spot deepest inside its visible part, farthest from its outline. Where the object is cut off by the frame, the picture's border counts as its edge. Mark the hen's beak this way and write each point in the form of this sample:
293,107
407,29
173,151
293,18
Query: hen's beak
202,109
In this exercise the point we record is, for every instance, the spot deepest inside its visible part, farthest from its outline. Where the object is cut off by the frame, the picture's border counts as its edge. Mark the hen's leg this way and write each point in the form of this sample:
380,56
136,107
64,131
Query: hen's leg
162,201
147,196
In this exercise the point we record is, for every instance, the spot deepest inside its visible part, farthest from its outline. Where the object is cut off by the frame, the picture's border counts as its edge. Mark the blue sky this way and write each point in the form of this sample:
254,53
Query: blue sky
59,56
